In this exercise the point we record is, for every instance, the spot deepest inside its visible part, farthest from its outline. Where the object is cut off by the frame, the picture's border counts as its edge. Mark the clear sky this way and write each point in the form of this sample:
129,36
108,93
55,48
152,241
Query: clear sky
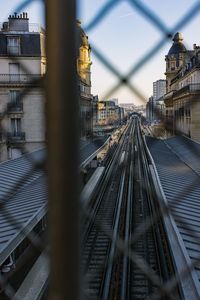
123,36
35,10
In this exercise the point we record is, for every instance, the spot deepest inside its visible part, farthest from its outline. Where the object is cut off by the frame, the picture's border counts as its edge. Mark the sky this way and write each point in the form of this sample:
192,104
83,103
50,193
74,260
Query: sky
123,37
35,10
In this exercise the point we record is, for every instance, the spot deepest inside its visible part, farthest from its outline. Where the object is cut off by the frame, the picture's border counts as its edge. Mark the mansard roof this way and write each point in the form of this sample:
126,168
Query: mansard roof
178,46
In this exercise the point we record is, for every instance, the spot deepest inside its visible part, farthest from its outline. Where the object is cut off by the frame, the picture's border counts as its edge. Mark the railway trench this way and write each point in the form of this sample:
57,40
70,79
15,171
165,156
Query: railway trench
123,251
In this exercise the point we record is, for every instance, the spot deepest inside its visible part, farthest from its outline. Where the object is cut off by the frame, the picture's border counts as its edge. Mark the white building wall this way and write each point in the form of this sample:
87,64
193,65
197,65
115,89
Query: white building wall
191,77
34,118
31,65
159,89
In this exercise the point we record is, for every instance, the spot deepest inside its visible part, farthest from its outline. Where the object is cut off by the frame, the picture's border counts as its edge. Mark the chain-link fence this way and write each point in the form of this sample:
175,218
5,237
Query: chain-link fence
171,126
23,210
62,127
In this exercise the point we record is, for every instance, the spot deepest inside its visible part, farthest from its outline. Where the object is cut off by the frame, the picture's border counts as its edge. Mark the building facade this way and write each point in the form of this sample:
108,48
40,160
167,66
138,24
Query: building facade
22,64
182,99
155,107
109,114
150,109
84,81
159,89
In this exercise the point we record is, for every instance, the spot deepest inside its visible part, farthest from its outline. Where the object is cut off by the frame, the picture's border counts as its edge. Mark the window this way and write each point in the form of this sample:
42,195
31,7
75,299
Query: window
172,66
82,89
14,97
13,45
16,126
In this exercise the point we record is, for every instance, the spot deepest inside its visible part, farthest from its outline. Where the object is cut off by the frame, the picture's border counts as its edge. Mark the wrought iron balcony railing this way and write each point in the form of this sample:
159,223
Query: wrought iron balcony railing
19,78
193,87
86,95
15,107
16,136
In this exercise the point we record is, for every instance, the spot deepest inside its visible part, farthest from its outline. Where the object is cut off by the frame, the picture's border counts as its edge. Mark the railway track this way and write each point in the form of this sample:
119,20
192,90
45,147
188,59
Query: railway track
125,200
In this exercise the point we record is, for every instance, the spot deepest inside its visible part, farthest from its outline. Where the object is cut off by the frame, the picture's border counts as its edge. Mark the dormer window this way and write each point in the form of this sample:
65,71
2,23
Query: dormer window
172,66
13,45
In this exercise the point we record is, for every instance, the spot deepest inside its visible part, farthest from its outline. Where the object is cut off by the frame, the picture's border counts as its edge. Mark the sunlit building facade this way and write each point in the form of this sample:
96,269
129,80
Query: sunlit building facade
109,114
182,99
84,82
159,89
22,64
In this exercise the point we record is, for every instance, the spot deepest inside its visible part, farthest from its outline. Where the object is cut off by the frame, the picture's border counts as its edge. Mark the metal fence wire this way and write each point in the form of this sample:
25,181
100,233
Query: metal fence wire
62,161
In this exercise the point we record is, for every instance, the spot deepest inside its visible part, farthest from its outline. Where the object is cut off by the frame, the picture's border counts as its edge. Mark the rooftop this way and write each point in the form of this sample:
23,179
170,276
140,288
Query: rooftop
178,46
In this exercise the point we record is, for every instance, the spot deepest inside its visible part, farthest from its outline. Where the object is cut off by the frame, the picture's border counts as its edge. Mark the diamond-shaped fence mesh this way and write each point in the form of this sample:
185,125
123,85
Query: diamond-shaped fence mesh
30,183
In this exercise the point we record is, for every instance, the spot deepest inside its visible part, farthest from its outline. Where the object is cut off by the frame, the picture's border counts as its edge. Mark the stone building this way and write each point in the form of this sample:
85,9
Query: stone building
159,89
182,99
150,109
22,64
84,82
109,114
155,107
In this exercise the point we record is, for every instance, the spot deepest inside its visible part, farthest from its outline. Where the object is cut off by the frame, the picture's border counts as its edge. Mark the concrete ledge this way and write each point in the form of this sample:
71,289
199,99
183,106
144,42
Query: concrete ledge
91,185
90,158
189,284
36,281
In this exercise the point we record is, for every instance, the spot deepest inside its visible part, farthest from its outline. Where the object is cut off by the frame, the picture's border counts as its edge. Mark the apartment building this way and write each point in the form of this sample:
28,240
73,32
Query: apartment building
159,89
182,99
84,81
22,64
109,114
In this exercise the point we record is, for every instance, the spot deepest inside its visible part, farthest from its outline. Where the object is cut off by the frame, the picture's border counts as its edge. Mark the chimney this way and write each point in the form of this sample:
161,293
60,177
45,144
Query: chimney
19,22
4,26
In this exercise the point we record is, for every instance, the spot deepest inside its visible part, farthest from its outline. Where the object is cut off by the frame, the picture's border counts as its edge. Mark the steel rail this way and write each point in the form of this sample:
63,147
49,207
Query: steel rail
99,194
141,247
107,279
124,294
115,278
118,219
159,230
150,200
165,262
94,234
143,211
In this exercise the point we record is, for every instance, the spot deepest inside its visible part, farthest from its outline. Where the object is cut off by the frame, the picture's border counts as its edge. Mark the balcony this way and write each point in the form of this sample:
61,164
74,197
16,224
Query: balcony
86,96
14,137
190,88
19,79
168,95
13,107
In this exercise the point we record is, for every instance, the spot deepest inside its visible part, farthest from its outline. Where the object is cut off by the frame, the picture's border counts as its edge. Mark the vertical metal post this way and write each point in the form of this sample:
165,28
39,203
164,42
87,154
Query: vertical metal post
63,140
